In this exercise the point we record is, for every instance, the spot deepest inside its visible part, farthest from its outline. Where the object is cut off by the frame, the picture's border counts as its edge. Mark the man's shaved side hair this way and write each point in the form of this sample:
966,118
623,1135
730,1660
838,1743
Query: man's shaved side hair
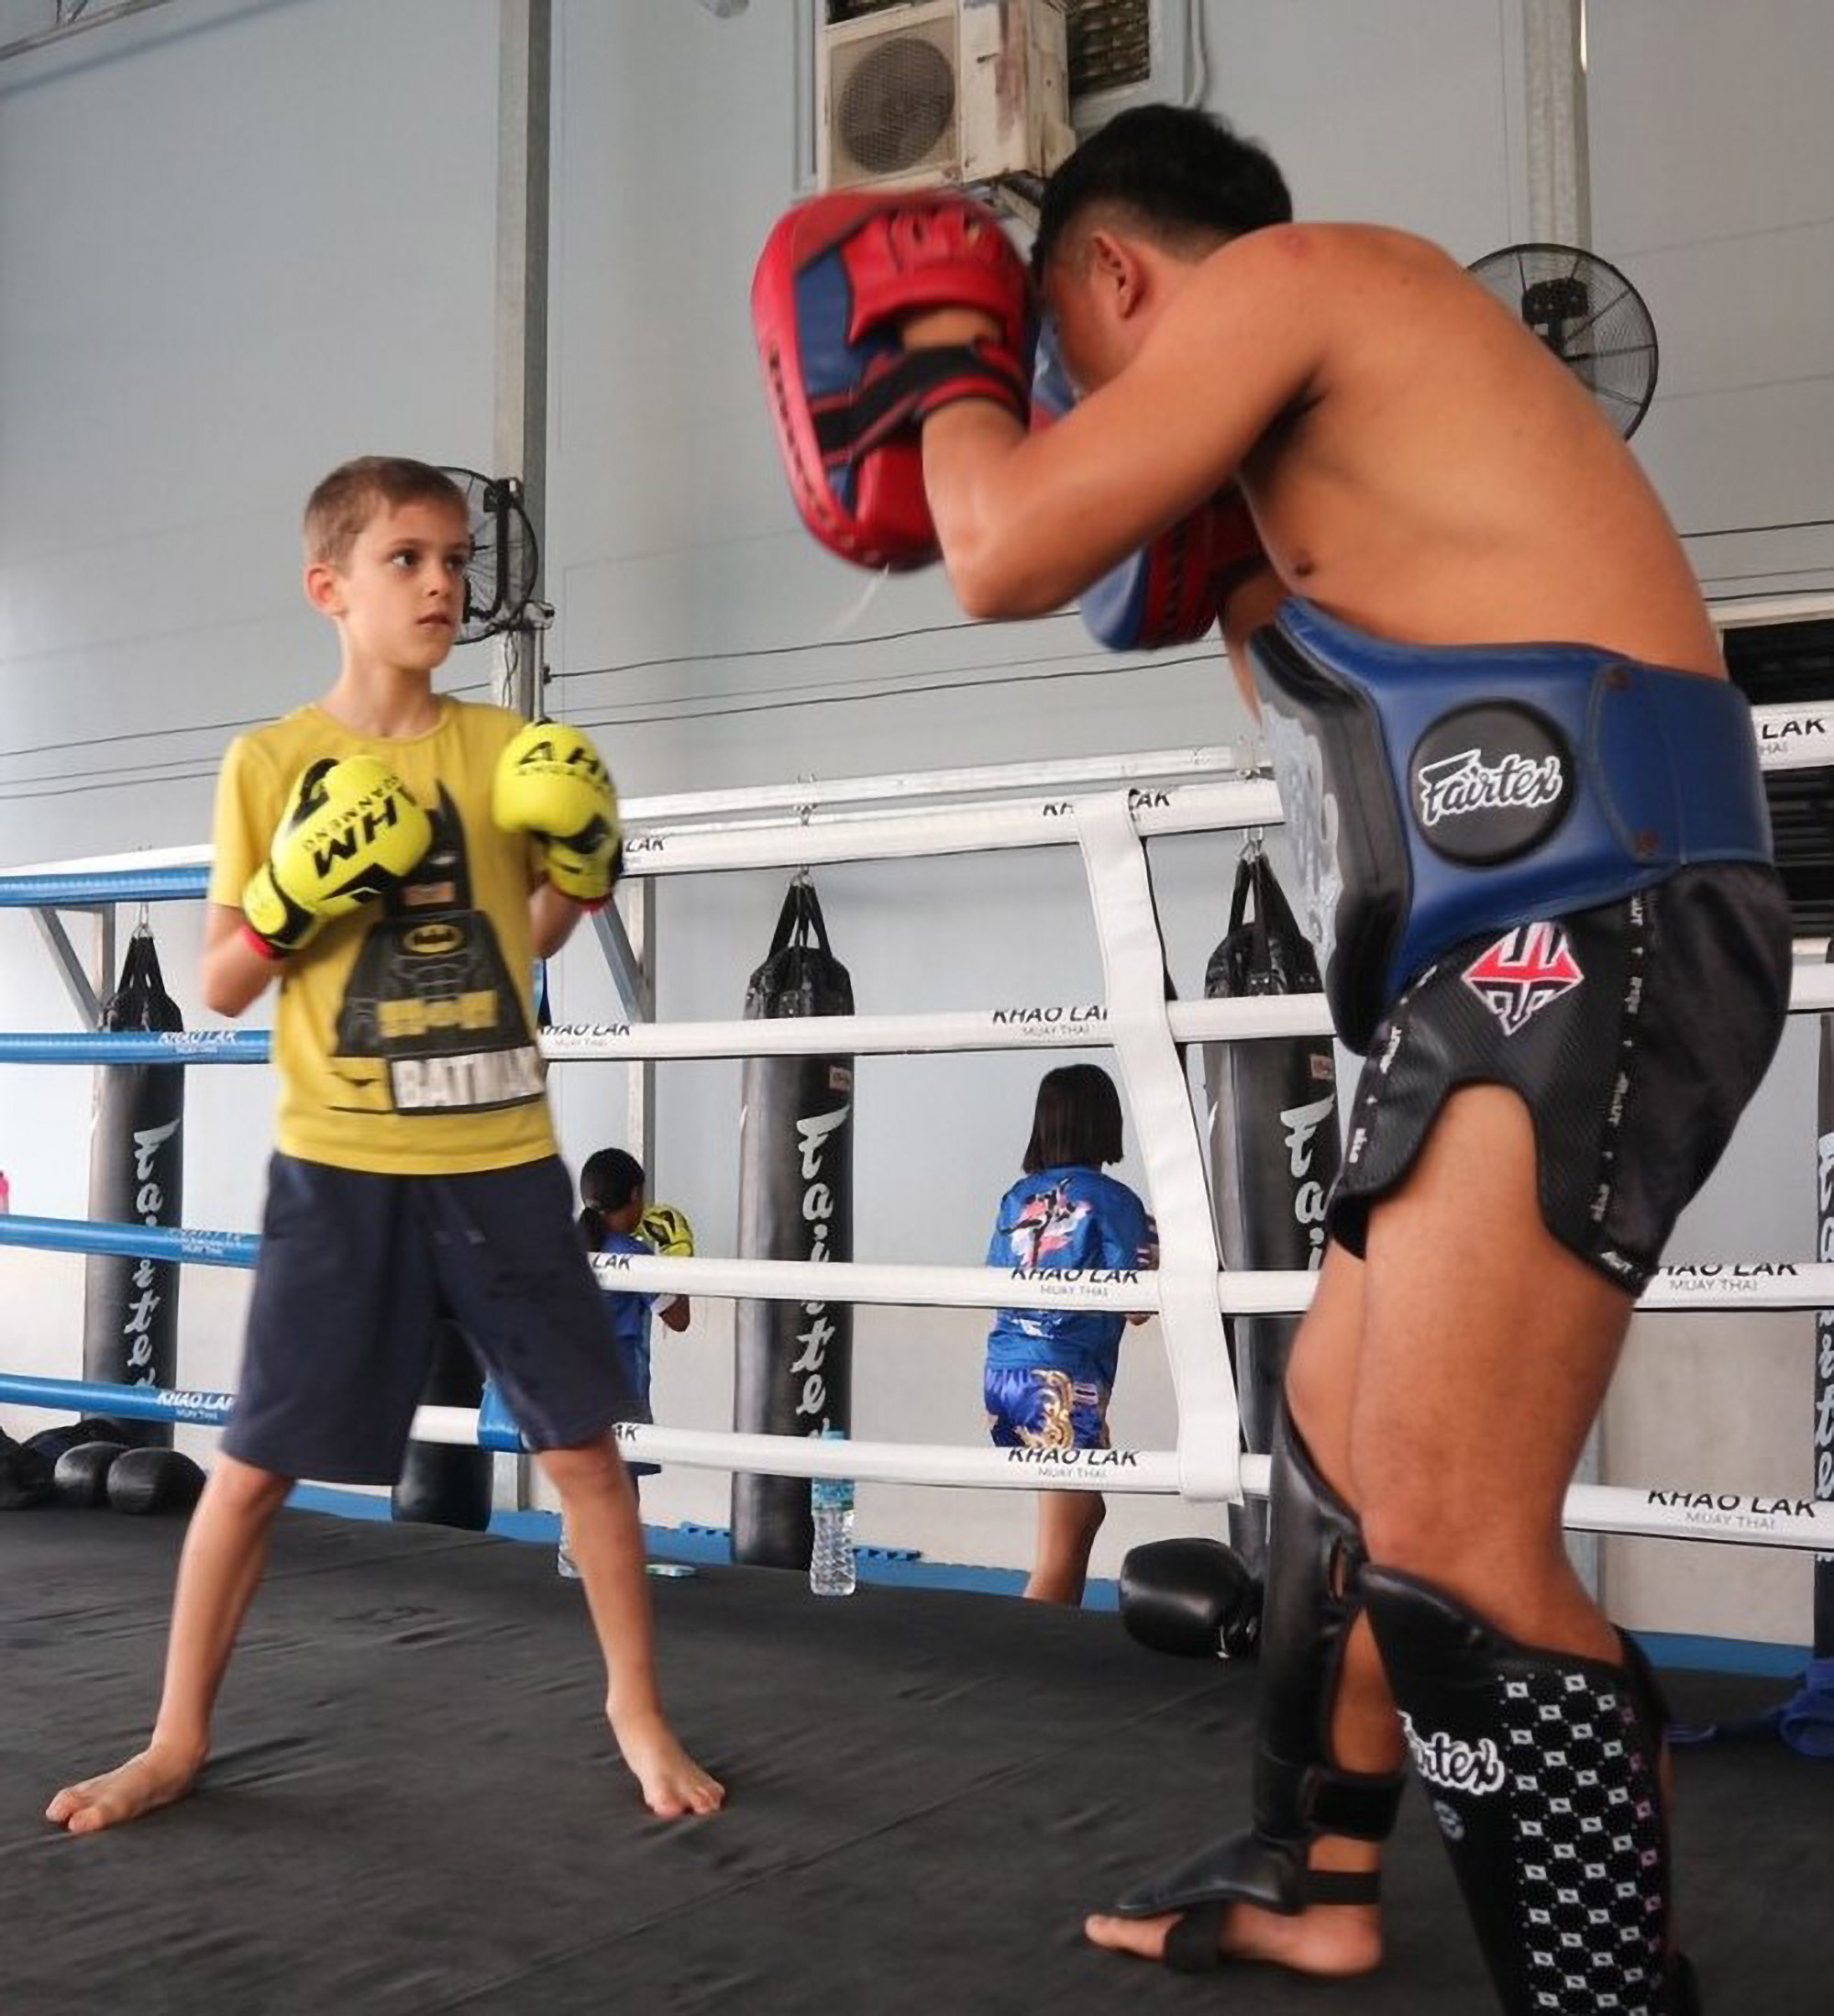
1168,172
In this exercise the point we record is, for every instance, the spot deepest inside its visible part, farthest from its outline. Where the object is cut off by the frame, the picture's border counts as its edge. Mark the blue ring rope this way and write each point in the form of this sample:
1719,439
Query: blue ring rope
136,1242
124,1403
139,1047
496,1432
109,886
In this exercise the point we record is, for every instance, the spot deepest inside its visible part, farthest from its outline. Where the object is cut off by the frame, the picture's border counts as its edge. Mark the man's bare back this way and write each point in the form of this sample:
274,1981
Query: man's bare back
1445,479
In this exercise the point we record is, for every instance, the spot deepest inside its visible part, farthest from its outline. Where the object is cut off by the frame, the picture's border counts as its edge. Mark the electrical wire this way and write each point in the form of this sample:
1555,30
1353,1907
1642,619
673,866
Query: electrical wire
699,708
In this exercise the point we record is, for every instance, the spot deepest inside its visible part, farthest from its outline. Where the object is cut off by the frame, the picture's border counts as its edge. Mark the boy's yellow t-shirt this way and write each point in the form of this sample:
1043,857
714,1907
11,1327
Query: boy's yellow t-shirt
404,1035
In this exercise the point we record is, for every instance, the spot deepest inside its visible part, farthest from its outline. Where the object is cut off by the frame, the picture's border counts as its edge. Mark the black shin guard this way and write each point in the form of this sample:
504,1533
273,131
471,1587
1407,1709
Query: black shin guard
1315,1559
1542,1771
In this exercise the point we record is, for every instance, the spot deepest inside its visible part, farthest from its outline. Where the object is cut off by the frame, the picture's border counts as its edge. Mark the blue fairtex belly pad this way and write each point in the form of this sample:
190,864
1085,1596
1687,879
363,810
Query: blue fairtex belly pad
1431,792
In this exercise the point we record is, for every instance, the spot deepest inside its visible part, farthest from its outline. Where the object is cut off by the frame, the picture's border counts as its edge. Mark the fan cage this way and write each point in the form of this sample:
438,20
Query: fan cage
1589,314
895,98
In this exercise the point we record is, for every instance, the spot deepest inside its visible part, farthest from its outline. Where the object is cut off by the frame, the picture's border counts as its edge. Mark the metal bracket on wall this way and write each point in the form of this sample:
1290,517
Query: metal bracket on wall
85,992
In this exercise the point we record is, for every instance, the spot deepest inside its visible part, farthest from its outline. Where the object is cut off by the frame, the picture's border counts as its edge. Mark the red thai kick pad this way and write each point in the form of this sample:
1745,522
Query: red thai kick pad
835,281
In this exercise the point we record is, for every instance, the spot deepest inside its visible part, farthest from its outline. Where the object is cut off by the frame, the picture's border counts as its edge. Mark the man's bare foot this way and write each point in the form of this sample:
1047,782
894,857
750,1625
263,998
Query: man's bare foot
673,1784
1334,1940
157,1776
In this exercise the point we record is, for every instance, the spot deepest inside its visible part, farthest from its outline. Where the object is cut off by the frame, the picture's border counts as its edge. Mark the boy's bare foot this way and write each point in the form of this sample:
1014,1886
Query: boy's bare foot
159,1775
1334,1940
673,1784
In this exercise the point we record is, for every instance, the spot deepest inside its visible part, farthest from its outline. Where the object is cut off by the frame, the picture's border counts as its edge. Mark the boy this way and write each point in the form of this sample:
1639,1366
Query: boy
424,854
1539,876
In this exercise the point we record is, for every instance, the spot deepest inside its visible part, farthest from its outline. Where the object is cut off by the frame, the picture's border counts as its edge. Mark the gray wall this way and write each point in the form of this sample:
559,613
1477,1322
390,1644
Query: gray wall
240,241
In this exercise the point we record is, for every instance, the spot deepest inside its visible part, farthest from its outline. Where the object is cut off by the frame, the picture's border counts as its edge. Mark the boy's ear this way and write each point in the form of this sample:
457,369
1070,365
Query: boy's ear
324,588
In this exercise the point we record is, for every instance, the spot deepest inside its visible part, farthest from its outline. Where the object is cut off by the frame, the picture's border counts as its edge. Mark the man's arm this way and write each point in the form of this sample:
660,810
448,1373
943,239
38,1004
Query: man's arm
674,1313
234,973
1028,520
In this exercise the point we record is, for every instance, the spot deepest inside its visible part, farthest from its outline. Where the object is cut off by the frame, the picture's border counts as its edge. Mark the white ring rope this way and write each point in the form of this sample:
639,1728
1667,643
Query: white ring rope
747,829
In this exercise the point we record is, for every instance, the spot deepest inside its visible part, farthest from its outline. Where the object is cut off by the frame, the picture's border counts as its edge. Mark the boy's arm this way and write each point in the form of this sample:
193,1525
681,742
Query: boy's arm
234,973
674,1315
551,918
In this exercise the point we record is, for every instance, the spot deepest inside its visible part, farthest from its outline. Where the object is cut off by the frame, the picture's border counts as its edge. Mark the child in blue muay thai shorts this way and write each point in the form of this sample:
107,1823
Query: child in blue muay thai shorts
1050,1371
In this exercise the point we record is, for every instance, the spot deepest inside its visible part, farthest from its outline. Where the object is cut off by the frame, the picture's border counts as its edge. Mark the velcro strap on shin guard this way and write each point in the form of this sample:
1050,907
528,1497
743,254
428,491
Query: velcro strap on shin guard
1315,1561
1541,1769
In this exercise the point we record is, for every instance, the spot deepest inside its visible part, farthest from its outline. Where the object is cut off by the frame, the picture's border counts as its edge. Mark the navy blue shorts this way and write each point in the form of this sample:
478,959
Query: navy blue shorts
356,1271
1041,1407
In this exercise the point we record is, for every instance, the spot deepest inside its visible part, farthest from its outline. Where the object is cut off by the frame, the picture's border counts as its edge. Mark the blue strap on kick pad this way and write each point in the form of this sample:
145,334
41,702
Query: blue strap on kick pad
1435,792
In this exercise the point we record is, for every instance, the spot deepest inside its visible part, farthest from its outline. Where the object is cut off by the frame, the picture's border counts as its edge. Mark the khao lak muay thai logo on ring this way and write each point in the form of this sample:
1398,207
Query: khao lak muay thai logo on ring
1489,782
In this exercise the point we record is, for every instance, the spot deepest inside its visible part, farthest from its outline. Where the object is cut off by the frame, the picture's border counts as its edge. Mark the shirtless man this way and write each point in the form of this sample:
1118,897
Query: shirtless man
1539,877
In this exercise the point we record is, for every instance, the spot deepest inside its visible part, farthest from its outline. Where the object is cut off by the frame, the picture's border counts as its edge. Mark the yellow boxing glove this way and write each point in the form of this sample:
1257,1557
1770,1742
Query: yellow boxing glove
667,1231
551,782
350,832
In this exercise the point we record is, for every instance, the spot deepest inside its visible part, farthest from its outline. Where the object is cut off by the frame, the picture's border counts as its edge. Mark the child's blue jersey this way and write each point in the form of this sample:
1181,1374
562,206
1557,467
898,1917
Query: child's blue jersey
1067,1219
628,1309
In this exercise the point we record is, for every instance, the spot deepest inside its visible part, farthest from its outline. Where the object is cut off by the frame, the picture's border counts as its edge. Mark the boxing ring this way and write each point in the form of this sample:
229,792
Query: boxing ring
929,1786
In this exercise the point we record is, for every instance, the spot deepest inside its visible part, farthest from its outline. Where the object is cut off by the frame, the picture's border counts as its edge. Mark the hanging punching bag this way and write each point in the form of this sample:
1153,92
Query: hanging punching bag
793,1372
136,1176
446,1483
1273,1149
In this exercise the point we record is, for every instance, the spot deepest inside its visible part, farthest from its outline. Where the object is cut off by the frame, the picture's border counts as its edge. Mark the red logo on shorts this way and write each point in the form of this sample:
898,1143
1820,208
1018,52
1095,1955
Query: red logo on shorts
1522,972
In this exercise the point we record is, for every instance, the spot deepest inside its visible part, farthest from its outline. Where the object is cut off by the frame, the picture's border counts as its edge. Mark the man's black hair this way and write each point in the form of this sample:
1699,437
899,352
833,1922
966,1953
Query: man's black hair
1174,168
1077,1123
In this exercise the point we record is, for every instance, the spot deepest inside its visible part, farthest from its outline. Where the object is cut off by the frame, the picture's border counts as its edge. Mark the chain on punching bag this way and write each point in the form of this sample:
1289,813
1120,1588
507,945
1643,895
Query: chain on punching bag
794,1360
1273,1148
136,1176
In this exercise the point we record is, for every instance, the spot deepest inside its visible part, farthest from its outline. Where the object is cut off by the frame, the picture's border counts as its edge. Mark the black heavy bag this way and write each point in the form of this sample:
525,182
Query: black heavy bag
444,1483
136,1176
793,1375
1273,1148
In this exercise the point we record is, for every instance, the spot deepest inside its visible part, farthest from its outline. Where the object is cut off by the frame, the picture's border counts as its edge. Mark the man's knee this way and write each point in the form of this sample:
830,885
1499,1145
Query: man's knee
1463,1540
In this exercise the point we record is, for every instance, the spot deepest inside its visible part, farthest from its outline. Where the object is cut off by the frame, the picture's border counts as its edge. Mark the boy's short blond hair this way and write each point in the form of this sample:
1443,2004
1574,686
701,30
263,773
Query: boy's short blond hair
345,501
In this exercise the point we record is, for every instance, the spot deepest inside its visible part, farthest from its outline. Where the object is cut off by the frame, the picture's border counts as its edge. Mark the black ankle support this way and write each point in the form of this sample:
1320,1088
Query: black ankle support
1315,1566
1543,1770
1314,1562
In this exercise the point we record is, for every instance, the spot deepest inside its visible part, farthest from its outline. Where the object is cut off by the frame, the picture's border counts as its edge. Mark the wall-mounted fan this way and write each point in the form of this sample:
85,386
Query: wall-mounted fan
1589,314
504,557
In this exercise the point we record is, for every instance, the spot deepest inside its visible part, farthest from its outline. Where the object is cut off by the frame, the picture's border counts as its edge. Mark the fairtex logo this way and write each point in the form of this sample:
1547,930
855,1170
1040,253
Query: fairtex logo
1457,785
1521,974
1302,1124
1454,1764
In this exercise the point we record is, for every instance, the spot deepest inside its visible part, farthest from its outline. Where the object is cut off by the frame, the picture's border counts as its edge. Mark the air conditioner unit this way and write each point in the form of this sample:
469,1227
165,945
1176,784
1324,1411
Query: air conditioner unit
942,91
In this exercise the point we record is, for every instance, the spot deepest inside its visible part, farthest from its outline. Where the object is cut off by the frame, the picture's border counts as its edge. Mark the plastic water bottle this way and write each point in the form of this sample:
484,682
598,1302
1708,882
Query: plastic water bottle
831,1559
